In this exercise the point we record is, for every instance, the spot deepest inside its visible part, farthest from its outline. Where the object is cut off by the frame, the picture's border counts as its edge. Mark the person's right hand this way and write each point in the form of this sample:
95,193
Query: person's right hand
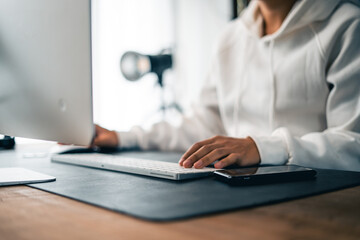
105,138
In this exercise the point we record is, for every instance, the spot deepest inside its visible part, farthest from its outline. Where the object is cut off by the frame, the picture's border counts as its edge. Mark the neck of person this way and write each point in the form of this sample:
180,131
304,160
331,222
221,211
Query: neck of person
274,13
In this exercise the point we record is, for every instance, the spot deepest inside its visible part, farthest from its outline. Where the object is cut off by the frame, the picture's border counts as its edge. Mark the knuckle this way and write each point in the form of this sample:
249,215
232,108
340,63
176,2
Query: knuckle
230,159
235,156
206,147
206,160
238,159
216,137
193,157
219,151
232,155
240,163
196,145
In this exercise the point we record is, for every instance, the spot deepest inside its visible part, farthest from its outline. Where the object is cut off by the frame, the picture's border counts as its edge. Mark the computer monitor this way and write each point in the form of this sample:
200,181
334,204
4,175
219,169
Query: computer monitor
46,70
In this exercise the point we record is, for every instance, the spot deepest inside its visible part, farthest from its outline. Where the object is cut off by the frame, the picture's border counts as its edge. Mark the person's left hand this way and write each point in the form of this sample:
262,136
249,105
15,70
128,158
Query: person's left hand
105,138
242,151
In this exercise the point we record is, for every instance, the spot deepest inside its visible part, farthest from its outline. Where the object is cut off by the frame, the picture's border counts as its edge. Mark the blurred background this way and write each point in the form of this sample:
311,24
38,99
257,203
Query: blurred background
187,29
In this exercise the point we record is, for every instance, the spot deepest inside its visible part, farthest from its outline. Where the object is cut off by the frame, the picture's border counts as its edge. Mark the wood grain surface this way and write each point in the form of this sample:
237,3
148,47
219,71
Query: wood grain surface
27,213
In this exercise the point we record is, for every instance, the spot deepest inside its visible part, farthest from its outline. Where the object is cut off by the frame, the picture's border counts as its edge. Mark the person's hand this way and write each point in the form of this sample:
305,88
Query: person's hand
105,138
241,151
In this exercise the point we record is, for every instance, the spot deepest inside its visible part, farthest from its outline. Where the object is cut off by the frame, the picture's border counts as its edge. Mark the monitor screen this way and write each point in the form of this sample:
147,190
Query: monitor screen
46,70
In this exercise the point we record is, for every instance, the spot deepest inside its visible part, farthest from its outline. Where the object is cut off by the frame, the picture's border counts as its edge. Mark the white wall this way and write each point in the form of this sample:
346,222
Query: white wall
190,27
145,26
198,25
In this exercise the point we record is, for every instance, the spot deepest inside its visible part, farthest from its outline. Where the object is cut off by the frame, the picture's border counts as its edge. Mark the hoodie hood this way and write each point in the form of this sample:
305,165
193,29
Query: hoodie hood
302,14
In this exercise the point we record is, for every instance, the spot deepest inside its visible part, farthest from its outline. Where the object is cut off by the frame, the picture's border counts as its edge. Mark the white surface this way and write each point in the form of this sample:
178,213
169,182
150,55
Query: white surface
45,70
190,27
145,26
198,25
15,176
146,167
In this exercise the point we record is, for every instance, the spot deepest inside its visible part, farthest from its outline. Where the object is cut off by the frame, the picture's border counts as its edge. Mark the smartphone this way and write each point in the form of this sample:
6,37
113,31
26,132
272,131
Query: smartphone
265,175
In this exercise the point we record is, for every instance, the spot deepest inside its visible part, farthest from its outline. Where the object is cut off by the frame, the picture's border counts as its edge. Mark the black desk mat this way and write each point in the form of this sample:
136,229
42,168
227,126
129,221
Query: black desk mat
164,200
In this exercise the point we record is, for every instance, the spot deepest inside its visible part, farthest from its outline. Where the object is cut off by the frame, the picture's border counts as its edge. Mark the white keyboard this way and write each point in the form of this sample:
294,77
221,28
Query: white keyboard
146,167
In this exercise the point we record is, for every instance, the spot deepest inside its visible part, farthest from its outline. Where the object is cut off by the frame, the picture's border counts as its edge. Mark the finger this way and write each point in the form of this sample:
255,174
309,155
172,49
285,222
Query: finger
214,155
200,153
99,130
97,141
231,159
193,149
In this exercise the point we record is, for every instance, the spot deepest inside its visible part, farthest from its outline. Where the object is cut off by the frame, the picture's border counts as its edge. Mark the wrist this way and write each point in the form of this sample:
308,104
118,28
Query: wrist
116,140
272,150
253,153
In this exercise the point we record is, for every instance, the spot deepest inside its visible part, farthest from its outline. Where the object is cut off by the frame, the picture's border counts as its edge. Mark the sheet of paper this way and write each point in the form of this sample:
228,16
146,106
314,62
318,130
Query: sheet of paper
15,176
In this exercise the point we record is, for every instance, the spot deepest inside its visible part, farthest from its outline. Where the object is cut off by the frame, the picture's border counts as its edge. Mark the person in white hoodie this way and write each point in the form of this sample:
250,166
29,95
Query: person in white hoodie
284,88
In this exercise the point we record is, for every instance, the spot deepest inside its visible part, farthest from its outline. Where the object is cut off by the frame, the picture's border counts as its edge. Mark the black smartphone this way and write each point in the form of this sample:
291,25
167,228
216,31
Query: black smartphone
265,175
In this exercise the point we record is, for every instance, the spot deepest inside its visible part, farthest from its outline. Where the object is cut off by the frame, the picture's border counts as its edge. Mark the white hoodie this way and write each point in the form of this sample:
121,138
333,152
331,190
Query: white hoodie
295,92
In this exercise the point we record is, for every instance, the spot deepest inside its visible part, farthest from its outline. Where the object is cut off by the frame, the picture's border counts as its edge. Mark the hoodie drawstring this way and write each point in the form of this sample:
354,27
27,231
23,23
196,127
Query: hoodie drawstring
241,89
273,86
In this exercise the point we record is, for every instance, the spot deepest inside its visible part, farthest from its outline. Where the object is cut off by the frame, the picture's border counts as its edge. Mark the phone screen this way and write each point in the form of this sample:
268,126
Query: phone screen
264,170
265,175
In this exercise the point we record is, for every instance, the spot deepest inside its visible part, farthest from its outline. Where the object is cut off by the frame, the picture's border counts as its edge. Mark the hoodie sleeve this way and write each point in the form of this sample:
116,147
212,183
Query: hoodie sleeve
202,123
339,145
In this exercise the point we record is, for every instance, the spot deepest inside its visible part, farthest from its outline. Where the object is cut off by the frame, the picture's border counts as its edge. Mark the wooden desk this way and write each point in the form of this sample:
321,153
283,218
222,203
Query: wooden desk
27,213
